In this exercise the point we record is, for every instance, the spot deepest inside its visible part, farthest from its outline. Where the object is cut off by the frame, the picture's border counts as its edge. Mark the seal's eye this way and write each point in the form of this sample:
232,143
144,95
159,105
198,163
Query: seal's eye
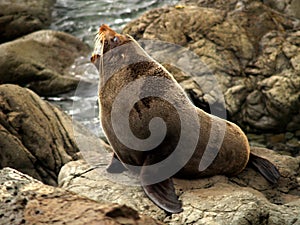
115,39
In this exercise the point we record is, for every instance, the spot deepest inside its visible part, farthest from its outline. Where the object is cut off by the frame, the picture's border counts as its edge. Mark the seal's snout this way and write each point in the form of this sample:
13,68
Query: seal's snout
102,42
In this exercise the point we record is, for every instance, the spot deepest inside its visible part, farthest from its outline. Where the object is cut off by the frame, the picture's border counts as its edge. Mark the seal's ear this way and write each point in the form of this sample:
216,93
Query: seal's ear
162,193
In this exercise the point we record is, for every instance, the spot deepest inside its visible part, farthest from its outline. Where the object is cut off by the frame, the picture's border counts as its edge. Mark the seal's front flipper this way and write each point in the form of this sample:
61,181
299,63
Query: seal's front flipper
265,167
161,193
115,166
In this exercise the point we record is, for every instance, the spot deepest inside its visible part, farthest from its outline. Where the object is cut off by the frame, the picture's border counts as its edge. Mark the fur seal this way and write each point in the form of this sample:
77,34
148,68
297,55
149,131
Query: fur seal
121,61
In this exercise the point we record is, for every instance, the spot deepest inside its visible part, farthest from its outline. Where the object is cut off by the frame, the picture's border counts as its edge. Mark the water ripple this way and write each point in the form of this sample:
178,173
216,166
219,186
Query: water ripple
82,18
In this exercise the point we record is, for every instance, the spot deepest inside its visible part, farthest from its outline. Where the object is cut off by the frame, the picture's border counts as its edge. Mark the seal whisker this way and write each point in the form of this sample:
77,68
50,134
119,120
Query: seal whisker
96,37
101,69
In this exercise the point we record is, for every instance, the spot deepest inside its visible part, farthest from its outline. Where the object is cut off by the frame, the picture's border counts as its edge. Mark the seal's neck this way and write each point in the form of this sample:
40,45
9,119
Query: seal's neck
112,61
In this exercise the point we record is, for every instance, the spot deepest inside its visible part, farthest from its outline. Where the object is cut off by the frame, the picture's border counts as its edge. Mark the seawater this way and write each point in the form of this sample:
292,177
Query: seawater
82,18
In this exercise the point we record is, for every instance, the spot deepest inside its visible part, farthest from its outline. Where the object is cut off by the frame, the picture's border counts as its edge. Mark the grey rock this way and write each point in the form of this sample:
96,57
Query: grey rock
290,7
24,200
244,199
278,103
251,50
19,18
40,61
218,4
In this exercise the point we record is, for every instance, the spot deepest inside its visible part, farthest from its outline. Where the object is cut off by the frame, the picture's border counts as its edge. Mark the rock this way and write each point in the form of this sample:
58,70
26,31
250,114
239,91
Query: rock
40,61
278,138
290,7
256,66
25,200
37,138
19,18
218,4
214,200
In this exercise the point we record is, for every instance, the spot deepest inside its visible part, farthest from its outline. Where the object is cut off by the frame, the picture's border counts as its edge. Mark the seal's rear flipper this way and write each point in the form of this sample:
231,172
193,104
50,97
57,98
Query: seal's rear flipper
161,193
265,167
115,166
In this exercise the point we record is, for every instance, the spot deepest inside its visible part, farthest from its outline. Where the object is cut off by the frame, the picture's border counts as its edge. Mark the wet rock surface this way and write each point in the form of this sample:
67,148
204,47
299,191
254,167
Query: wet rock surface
244,199
18,18
40,61
249,48
25,200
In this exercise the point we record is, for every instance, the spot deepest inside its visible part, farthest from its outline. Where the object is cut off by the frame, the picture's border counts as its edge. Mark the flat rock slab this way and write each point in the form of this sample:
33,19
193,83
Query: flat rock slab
24,200
245,199
40,61
18,18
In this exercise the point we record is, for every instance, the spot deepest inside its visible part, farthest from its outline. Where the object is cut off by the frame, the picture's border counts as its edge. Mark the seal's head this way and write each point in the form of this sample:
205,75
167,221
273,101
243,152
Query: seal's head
107,39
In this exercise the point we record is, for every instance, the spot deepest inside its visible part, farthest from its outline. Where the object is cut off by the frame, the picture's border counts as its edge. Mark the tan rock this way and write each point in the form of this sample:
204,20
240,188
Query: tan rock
214,200
27,201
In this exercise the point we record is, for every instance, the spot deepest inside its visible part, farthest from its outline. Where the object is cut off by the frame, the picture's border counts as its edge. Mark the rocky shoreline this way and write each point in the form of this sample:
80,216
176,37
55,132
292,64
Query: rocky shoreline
253,49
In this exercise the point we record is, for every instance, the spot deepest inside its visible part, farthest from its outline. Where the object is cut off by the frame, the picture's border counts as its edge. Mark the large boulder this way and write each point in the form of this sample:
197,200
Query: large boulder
40,61
252,50
242,200
37,138
288,7
18,18
24,200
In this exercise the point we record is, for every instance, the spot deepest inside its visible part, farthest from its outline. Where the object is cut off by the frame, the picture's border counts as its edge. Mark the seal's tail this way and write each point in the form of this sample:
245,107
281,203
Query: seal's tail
265,167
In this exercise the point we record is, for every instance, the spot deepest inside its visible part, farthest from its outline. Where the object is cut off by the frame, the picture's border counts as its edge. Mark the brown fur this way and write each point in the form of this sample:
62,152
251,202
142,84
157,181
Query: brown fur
234,152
